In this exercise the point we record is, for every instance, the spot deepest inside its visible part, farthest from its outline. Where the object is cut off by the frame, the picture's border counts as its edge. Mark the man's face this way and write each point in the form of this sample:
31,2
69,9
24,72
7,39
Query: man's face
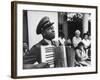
89,37
86,37
49,33
77,35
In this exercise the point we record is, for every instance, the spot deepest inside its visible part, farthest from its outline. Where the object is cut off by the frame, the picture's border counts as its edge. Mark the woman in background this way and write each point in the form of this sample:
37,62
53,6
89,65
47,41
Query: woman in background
61,39
81,56
87,43
86,40
76,39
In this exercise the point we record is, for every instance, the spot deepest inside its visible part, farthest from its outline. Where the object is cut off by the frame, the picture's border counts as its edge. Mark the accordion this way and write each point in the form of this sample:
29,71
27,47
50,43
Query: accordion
54,56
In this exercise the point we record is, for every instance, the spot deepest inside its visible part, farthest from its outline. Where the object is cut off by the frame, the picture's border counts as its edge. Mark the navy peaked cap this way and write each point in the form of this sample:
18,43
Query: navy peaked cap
43,24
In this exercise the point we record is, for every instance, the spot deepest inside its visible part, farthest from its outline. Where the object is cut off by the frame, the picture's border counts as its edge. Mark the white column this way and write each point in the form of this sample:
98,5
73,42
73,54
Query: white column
85,22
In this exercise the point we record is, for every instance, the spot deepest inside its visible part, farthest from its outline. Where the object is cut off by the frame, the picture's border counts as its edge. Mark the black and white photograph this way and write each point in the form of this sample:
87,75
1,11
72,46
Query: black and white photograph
54,39
65,44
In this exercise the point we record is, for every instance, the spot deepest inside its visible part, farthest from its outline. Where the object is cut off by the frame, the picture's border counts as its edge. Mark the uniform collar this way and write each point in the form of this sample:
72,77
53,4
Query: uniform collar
44,42
48,41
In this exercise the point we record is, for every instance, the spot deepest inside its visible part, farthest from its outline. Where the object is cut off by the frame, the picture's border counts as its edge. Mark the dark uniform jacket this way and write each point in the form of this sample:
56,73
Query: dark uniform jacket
34,53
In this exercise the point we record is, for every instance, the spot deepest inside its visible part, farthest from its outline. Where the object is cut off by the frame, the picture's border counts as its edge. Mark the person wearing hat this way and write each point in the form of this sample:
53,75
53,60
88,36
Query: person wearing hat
76,39
45,28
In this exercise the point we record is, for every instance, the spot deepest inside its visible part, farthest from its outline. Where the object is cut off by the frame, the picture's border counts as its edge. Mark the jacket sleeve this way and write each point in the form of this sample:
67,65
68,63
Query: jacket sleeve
33,56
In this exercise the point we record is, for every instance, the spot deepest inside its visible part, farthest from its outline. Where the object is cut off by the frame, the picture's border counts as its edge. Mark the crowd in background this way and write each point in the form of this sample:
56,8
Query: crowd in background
74,51
81,46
